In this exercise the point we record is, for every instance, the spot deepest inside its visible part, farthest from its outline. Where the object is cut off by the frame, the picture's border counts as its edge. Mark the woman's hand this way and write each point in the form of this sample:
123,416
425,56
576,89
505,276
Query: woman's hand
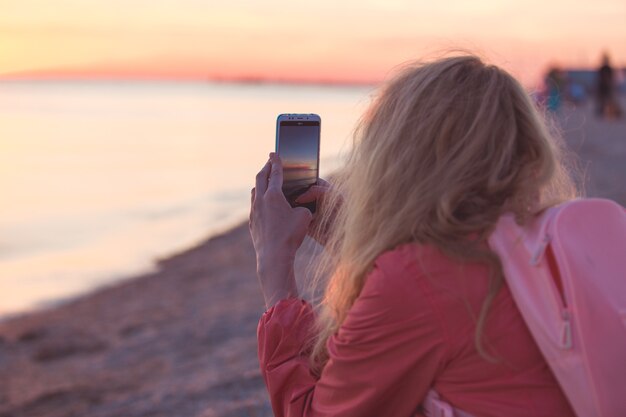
277,232
319,228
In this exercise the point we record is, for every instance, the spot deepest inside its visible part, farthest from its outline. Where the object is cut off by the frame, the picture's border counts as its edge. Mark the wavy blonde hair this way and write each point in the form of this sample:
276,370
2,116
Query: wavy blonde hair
444,149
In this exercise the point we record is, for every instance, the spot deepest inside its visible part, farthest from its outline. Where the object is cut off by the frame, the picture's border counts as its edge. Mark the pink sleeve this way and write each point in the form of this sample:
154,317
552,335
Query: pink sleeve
383,359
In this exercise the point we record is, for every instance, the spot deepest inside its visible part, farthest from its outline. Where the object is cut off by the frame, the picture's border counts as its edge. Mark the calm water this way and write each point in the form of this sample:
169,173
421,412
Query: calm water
100,179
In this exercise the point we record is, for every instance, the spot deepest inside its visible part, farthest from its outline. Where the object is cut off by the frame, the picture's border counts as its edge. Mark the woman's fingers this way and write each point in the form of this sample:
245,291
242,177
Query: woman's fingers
262,177
312,194
276,173
322,182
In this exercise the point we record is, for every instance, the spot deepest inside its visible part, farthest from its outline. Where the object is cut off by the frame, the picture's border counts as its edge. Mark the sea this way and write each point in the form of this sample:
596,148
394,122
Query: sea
99,180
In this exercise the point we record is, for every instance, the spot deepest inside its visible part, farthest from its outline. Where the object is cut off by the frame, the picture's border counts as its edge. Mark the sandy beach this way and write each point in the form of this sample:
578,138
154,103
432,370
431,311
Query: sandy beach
182,341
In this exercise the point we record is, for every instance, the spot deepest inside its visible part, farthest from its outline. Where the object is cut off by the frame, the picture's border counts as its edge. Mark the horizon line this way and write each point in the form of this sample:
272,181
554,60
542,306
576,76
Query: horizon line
75,76
70,76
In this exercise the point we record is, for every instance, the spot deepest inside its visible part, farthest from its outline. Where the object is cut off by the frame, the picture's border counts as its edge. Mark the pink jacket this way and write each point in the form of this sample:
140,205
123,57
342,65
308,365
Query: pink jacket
411,328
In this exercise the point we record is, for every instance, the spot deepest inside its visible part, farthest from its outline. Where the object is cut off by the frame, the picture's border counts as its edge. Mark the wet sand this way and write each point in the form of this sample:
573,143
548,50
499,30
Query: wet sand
182,341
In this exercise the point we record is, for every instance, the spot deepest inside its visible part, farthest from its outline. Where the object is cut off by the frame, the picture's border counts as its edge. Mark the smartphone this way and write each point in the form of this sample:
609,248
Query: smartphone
298,145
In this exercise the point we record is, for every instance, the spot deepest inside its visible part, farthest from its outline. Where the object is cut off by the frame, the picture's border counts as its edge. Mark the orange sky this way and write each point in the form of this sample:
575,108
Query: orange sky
324,40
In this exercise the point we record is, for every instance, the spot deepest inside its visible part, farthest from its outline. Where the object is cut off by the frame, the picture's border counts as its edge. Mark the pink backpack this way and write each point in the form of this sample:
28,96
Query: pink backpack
566,271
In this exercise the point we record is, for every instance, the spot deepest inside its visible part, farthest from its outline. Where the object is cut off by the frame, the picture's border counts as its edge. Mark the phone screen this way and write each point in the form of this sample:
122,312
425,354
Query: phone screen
298,146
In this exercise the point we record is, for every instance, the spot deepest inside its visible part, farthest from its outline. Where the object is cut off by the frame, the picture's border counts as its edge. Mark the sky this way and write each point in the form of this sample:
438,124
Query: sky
325,40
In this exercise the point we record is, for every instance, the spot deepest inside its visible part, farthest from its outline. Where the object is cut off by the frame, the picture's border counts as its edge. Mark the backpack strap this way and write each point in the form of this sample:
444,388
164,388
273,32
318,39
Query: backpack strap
434,406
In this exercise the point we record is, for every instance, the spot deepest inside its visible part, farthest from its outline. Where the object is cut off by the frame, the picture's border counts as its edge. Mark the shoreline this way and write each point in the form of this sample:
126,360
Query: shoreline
114,279
187,329
181,340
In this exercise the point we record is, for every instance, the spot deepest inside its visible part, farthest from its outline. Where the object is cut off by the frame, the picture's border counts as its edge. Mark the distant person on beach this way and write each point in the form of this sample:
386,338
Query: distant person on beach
607,105
555,85
415,299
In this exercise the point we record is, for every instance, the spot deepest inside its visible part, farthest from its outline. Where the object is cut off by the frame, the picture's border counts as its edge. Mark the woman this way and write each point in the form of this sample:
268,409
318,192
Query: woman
416,299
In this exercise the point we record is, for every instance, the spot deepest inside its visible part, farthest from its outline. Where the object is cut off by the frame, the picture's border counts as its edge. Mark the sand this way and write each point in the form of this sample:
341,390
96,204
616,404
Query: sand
182,341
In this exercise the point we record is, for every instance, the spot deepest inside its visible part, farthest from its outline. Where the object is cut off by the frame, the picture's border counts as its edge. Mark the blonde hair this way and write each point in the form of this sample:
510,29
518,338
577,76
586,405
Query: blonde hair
442,152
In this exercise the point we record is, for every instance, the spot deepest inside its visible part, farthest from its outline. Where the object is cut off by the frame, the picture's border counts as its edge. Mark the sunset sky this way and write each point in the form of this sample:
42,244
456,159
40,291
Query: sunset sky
324,40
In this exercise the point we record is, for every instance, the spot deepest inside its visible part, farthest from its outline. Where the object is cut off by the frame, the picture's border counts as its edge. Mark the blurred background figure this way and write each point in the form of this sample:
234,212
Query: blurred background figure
607,105
554,84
